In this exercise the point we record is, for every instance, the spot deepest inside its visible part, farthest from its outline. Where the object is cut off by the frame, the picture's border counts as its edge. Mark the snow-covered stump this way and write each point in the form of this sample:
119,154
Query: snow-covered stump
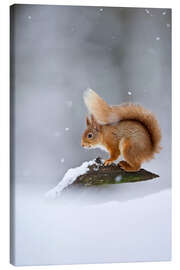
94,173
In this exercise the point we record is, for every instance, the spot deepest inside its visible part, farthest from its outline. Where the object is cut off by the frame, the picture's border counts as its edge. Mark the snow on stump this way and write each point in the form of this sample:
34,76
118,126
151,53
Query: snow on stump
94,173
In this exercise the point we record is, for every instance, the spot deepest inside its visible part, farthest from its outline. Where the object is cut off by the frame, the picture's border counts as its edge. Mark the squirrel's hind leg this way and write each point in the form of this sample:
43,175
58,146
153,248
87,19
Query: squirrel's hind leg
129,168
130,154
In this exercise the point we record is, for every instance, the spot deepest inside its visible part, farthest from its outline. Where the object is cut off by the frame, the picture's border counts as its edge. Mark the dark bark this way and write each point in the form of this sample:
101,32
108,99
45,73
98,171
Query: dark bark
99,174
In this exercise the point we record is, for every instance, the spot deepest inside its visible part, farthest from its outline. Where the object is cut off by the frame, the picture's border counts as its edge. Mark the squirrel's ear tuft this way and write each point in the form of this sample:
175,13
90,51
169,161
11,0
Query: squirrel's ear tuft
95,124
88,123
92,119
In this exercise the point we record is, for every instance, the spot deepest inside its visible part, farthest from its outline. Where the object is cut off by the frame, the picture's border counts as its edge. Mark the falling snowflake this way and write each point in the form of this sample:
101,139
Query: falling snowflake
62,160
157,38
100,11
66,129
129,93
164,13
147,11
168,25
29,17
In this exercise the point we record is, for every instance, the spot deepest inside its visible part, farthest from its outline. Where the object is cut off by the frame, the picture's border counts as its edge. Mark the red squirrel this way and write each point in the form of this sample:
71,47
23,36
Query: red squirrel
127,129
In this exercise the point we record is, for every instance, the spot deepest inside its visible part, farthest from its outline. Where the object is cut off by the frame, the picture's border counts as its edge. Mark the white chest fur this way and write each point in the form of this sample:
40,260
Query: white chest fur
100,146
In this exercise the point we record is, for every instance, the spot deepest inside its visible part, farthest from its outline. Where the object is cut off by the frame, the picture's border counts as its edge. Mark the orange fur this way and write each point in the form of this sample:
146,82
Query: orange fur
127,129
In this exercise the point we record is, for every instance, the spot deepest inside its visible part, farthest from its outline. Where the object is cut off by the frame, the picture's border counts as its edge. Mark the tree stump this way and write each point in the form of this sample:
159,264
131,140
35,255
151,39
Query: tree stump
98,174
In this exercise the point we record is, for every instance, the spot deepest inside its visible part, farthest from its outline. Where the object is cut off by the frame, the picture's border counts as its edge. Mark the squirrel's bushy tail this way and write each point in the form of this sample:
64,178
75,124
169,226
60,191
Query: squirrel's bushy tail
105,114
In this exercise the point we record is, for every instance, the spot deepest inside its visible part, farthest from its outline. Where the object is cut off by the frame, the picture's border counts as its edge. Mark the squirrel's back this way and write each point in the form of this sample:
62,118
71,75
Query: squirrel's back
105,114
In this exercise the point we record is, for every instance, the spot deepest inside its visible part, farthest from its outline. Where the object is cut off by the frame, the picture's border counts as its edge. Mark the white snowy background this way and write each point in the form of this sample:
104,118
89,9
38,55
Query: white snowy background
125,55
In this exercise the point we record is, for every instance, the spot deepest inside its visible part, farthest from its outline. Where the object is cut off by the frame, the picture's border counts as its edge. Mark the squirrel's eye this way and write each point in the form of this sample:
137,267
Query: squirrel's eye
90,135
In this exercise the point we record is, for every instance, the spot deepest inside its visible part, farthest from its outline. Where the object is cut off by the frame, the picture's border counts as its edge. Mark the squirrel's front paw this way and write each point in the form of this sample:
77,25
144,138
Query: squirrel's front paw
108,162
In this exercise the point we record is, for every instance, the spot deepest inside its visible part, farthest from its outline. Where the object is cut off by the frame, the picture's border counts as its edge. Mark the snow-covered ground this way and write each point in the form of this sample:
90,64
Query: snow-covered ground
92,224
69,177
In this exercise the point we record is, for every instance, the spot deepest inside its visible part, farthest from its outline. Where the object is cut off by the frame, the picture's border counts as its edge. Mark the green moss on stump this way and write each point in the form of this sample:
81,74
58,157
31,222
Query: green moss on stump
99,174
